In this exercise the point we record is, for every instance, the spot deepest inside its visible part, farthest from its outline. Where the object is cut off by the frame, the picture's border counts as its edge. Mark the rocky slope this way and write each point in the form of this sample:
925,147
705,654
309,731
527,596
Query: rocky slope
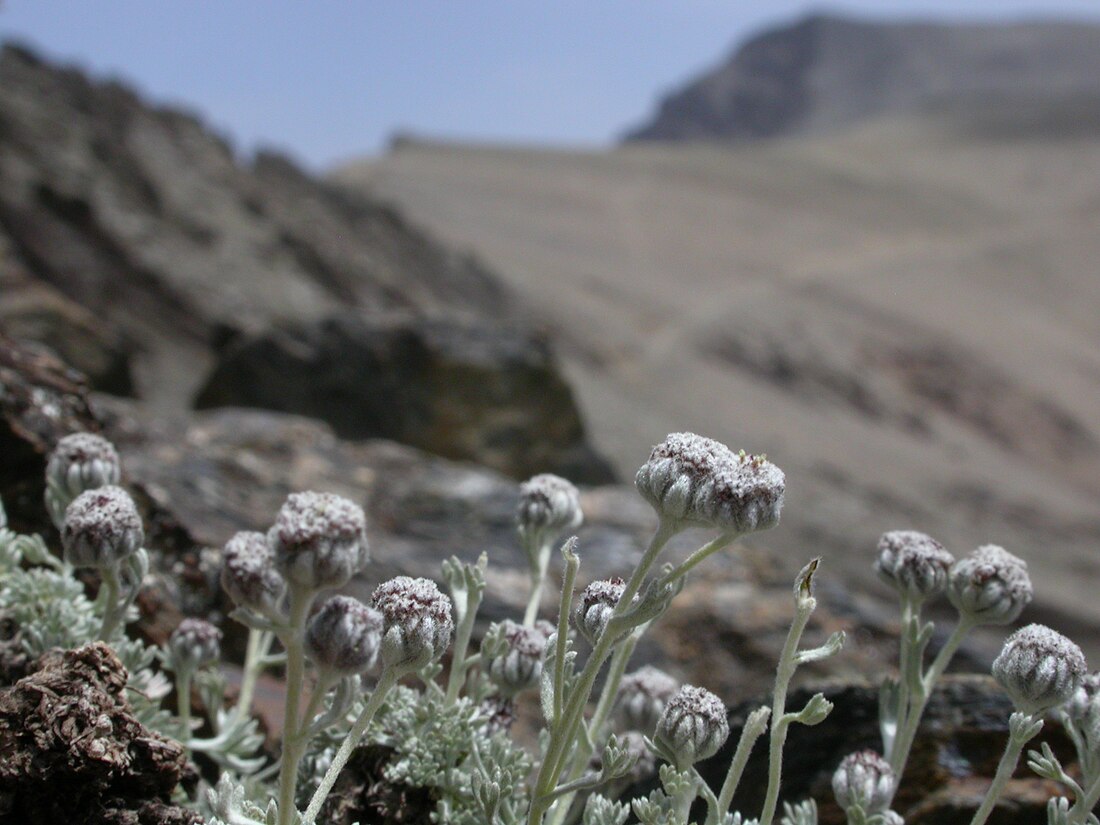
902,317
827,72
134,242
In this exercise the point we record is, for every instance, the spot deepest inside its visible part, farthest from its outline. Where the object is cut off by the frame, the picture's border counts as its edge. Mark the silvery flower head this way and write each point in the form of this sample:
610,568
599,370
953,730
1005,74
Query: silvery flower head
102,527
866,779
249,575
344,636
1083,709
520,666
694,481
319,540
1039,668
642,697
548,505
194,643
417,623
82,461
914,564
593,609
990,586
693,727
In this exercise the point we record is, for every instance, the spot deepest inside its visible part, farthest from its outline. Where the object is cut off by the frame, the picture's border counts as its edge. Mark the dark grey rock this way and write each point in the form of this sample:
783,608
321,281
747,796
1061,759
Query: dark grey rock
460,389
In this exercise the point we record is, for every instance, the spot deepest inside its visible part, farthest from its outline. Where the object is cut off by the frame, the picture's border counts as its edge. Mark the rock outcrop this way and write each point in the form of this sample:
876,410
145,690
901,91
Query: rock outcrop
137,244
490,394
826,72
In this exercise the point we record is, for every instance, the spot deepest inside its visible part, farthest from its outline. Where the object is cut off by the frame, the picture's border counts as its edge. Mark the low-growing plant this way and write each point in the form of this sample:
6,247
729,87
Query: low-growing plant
370,674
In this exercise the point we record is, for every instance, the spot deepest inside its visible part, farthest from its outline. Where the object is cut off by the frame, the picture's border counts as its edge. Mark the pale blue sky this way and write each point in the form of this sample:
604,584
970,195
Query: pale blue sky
326,80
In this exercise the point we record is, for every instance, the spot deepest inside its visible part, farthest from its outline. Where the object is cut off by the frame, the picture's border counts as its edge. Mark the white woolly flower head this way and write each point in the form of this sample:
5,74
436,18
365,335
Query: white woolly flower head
319,540
1083,709
249,575
592,611
990,586
83,461
548,504
695,481
194,643
693,726
520,665
1039,668
344,636
101,528
417,622
864,778
913,563
642,697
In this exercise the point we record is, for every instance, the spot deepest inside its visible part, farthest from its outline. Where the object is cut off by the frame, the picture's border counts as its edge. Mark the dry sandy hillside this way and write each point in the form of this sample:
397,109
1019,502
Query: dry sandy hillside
904,317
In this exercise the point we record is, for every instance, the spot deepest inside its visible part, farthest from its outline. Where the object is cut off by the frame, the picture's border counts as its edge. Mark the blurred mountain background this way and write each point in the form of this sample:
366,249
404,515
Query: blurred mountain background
865,248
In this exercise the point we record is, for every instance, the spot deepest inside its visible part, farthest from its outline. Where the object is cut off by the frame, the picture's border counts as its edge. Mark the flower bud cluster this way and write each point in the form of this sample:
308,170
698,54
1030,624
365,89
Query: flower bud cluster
548,504
194,643
865,779
82,461
642,698
691,480
344,636
593,609
249,575
1039,668
913,563
990,586
520,666
319,540
101,528
693,726
417,622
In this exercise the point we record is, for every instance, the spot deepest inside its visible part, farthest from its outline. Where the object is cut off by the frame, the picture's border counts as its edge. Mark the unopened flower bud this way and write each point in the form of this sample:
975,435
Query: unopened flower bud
693,480
990,586
417,622
1083,709
82,461
866,779
249,575
1039,668
548,504
642,697
693,726
520,666
593,609
344,636
194,643
319,540
102,527
914,564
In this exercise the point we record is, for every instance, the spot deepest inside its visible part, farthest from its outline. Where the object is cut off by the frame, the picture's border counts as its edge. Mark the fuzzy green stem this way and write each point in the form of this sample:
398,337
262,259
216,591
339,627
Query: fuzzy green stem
1007,766
293,750
385,683
779,722
616,669
1084,803
457,677
183,700
259,643
682,803
565,728
903,743
753,729
111,613
696,558
538,579
569,579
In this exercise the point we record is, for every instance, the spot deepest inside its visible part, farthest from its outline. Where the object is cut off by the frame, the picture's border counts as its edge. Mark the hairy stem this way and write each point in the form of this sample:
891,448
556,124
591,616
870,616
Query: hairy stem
111,614
538,569
295,674
457,677
385,683
1005,769
753,729
779,722
259,643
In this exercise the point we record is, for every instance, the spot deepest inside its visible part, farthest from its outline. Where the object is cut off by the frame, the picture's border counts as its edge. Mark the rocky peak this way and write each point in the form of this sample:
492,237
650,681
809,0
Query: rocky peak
826,72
